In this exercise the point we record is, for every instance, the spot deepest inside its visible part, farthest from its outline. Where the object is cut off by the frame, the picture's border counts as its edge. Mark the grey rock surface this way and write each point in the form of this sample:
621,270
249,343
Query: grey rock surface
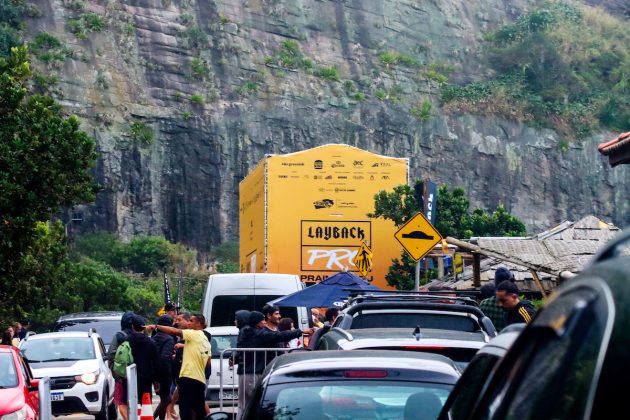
206,78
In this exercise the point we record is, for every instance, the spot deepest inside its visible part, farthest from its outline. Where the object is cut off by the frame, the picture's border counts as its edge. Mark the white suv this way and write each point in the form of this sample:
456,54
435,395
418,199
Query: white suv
80,380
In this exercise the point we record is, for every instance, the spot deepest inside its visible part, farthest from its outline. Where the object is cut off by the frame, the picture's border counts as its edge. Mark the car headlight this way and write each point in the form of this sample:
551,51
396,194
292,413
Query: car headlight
89,378
21,414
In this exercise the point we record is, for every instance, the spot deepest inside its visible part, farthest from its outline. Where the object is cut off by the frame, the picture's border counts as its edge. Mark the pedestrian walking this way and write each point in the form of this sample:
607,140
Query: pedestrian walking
120,387
192,380
164,344
145,356
516,310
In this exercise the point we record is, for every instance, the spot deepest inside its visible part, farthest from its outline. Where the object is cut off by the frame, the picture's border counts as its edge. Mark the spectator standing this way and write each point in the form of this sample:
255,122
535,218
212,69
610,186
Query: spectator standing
164,344
192,379
516,310
8,337
331,315
120,388
272,316
286,324
25,326
315,318
145,356
490,306
182,322
172,310
256,335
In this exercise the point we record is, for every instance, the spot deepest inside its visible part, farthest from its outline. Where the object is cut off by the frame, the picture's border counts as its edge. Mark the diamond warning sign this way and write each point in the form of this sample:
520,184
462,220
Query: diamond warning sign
363,260
418,236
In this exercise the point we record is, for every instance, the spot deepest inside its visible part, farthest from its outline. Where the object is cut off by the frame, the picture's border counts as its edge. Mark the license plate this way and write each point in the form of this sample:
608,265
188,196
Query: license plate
56,396
229,395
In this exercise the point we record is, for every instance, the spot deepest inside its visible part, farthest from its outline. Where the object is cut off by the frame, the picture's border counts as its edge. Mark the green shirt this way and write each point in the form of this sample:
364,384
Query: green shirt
490,307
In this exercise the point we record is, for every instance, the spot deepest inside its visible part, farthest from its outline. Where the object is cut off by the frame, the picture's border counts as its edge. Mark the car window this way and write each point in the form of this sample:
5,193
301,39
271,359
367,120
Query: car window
58,349
410,320
106,328
367,399
8,374
101,346
470,385
224,307
222,342
461,356
553,372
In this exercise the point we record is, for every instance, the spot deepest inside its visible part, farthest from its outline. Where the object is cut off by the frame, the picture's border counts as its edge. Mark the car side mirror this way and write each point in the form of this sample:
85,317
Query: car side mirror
33,385
489,326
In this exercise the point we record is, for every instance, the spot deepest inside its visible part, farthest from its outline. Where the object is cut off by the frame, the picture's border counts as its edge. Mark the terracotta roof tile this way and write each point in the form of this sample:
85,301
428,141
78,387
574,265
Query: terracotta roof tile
617,149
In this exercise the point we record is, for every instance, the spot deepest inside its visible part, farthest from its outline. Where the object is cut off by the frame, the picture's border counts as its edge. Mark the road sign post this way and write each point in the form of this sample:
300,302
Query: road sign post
418,237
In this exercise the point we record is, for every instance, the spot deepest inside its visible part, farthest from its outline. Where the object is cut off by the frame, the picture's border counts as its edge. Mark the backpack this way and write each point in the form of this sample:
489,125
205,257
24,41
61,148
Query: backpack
123,358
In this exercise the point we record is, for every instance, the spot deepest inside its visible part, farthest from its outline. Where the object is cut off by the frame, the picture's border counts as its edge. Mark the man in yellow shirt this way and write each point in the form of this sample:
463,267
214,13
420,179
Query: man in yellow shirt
192,378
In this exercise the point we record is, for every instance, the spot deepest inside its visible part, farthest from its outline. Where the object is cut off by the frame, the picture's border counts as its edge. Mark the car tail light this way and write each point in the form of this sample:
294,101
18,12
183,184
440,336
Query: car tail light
370,374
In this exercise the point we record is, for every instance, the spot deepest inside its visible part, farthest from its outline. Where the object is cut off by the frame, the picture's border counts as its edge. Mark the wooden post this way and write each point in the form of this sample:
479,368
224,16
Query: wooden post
538,283
476,270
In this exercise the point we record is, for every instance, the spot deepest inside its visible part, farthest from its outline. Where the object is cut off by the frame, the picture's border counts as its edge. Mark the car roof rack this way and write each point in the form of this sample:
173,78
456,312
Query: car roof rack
435,297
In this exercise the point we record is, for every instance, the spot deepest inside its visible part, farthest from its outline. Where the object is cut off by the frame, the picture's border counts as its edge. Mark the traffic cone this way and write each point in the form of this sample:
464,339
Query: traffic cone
146,411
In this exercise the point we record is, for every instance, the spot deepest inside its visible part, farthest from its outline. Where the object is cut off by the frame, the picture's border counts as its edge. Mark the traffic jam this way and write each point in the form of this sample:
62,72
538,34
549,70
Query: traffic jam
333,340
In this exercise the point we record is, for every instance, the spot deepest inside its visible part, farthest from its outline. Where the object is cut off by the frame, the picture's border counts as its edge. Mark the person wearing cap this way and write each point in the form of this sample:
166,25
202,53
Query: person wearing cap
256,335
171,310
145,356
120,388
164,344
192,378
490,306
516,311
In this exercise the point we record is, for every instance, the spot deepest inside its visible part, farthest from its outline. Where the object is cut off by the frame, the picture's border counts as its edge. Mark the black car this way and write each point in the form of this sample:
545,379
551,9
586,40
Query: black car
359,384
106,324
430,311
478,373
571,361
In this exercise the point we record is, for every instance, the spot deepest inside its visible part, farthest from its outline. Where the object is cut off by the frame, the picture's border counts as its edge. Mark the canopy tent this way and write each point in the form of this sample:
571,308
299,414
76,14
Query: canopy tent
328,293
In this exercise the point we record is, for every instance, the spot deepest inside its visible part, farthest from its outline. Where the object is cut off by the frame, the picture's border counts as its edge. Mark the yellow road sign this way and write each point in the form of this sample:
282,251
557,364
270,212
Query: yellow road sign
418,236
458,264
363,259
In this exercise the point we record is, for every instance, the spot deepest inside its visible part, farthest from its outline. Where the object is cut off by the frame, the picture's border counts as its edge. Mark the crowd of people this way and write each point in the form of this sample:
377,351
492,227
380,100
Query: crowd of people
173,355
14,333
174,361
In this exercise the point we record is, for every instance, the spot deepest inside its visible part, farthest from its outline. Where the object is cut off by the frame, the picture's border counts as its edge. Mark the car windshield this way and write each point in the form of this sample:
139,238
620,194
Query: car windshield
8,375
224,307
58,349
374,399
106,328
222,342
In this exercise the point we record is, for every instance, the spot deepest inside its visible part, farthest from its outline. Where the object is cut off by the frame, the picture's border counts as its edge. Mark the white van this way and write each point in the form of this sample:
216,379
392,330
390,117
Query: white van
228,293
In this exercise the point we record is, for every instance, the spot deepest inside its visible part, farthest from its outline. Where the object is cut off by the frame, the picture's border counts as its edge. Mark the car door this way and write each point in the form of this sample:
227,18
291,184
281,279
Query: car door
33,393
550,370
468,388
101,352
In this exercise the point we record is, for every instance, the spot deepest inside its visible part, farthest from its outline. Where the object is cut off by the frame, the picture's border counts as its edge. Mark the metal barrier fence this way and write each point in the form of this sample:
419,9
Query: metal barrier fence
240,356
45,405
132,391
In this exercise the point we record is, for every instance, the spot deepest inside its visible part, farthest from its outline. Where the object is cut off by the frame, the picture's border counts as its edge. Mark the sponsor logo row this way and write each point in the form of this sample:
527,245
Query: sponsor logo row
319,164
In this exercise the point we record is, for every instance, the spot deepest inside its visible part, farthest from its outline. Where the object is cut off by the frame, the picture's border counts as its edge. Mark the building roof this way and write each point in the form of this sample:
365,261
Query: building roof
566,247
617,149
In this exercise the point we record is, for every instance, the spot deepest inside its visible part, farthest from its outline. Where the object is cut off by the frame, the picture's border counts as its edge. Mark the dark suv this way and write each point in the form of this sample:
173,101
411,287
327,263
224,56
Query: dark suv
572,360
106,324
409,311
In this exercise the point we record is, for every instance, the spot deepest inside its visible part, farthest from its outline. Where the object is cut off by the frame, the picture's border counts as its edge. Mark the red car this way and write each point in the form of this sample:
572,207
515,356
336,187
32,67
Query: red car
19,399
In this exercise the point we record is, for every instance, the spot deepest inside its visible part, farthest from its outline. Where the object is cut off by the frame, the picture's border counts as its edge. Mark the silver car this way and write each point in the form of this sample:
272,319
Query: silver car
222,338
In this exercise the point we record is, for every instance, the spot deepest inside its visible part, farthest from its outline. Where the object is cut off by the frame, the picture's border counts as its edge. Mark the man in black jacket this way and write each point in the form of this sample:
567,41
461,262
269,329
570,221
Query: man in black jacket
515,310
164,344
256,335
145,356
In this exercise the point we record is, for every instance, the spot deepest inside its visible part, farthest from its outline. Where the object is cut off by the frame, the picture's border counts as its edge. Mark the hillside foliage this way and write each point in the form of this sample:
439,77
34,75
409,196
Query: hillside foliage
562,66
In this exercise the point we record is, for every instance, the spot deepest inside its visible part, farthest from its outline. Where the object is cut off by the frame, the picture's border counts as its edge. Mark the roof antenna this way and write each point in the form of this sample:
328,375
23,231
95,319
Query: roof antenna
416,333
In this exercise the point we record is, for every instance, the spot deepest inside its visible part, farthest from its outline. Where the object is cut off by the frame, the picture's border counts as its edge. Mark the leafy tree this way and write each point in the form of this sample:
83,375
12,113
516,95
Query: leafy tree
453,219
44,165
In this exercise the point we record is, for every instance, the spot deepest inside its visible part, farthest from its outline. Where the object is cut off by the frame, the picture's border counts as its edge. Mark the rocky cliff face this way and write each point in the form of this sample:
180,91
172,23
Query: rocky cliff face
185,96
